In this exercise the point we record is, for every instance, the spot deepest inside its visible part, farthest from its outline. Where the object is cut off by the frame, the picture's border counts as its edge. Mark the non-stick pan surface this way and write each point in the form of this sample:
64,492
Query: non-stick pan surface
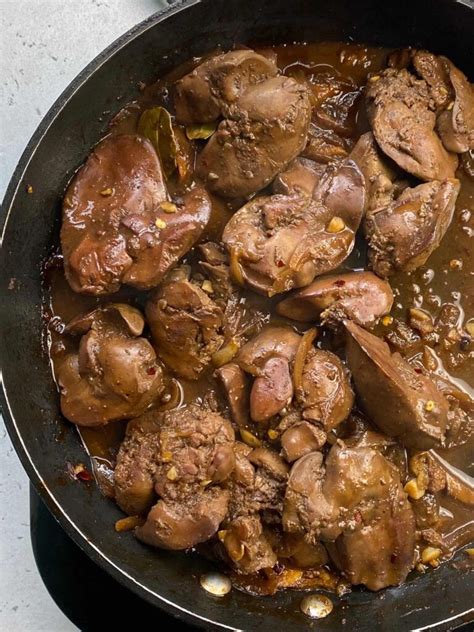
439,600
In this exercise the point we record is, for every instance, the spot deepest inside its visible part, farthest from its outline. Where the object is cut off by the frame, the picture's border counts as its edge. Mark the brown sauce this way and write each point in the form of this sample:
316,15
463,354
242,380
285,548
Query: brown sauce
447,279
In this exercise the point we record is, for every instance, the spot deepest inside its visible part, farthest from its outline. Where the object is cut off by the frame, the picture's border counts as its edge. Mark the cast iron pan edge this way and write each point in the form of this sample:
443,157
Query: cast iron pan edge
51,498
46,494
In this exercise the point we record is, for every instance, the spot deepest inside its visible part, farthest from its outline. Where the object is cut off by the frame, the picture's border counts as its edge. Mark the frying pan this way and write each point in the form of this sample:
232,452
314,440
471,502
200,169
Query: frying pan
439,600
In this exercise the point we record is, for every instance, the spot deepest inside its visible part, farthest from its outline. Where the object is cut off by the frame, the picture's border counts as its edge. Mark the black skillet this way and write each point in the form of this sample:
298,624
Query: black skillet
439,600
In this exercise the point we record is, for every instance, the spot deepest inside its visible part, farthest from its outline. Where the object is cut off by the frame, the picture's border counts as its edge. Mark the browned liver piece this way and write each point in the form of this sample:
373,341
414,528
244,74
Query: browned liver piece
355,504
114,230
114,373
401,402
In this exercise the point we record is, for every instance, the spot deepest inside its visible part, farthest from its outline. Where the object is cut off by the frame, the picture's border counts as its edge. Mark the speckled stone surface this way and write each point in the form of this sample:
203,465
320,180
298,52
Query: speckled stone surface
43,45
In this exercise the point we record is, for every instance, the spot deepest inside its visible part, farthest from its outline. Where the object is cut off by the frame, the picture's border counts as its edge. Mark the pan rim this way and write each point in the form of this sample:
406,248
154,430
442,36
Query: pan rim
45,493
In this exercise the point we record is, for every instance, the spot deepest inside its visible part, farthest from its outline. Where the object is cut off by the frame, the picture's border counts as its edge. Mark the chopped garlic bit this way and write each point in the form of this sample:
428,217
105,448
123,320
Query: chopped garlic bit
107,192
272,434
168,207
225,355
172,474
336,225
430,554
387,320
250,439
413,489
429,406
159,223
455,264
207,287
128,523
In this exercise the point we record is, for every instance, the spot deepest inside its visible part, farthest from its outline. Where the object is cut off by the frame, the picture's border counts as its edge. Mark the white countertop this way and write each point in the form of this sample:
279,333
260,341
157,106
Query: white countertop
43,46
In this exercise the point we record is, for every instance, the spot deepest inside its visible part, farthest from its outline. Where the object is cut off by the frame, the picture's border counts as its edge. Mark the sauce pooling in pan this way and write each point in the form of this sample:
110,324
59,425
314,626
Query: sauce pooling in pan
262,319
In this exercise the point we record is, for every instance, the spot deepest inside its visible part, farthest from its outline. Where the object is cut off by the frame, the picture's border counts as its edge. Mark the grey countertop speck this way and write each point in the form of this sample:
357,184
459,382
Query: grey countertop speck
43,46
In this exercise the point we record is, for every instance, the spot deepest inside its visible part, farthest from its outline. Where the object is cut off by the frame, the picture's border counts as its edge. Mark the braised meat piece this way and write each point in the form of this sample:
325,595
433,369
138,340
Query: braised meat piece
401,402
196,448
246,545
181,524
278,242
236,387
114,230
323,392
453,96
137,459
403,225
183,456
267,358
272,341
258,482
355,503
403,123
380,172
456,122
114,373
299,178
264,130
358,296
186,325
301,438
203,94
404,234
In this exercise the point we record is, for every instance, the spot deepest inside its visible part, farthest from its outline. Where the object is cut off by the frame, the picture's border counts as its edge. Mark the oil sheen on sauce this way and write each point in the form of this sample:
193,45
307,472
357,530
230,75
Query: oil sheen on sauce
444,282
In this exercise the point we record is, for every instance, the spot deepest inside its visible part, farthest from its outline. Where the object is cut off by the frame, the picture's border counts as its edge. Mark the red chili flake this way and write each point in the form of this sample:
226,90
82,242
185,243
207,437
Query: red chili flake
151,370
339,283
280,263
79,472
418,370
358,517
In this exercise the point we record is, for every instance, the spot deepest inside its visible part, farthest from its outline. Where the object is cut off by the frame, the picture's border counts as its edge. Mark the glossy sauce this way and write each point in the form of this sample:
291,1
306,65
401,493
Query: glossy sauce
336,72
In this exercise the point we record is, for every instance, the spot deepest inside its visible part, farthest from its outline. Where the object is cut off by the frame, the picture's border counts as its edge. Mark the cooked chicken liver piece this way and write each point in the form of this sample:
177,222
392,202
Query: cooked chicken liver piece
236,387
404,234
246,545
380,172
455,123
401,402
201,95
183,455
403,123
137,459
183,523
186,325
358,296
301,438
196,449
114,230
272,341
258,482
453,97
267,357
355,501
325,396
264,130
272,390
300,177
279,242
114,374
